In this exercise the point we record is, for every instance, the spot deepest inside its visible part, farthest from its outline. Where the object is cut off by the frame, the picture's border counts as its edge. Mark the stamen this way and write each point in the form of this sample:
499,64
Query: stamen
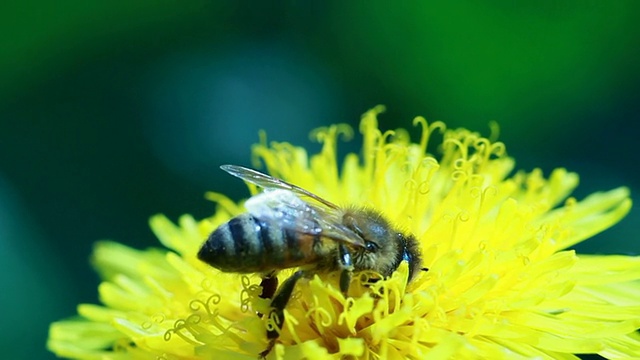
248,294
179,326
456,144
498,149
494,131
207,305
271,324
427,131
157,318
320,316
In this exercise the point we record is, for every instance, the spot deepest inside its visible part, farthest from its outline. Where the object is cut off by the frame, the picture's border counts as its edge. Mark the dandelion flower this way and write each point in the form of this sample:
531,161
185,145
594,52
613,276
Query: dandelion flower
502,282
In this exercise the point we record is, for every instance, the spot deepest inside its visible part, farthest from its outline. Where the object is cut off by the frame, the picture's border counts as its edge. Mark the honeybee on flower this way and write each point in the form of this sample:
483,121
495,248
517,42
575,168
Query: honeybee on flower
501,283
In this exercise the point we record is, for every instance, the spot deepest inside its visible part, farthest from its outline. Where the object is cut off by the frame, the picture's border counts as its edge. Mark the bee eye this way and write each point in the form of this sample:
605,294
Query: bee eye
371,246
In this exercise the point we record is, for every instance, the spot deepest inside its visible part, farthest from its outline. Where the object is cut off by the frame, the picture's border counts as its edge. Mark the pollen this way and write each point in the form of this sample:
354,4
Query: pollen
500,280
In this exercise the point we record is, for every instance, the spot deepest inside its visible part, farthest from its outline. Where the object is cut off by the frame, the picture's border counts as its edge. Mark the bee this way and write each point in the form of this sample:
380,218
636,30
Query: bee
289,227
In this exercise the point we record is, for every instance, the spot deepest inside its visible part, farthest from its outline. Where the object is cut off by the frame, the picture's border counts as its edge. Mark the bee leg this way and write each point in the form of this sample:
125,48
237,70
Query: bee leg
278,304
269,284
347,268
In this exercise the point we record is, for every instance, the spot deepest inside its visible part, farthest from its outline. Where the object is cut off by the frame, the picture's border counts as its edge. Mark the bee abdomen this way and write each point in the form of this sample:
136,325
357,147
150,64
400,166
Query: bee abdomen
246,244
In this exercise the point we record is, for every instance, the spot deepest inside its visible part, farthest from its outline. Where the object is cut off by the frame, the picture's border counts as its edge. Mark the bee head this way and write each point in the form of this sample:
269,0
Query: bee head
383,247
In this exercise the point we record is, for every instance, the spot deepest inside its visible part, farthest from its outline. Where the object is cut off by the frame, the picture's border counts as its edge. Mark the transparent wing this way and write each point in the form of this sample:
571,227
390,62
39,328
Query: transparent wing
271,183
289,211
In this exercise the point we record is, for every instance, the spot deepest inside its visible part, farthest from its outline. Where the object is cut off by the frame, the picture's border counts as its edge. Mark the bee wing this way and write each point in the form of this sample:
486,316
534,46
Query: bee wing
292,213
272,183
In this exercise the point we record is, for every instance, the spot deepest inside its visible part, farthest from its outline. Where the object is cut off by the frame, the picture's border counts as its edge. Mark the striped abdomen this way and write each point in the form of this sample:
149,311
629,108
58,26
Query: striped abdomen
246,244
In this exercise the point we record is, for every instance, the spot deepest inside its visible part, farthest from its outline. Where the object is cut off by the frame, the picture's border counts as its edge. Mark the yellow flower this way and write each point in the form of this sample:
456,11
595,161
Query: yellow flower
500,284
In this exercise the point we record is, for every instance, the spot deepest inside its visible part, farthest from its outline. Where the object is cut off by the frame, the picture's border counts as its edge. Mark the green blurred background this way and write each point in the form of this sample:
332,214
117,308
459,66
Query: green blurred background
111,112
